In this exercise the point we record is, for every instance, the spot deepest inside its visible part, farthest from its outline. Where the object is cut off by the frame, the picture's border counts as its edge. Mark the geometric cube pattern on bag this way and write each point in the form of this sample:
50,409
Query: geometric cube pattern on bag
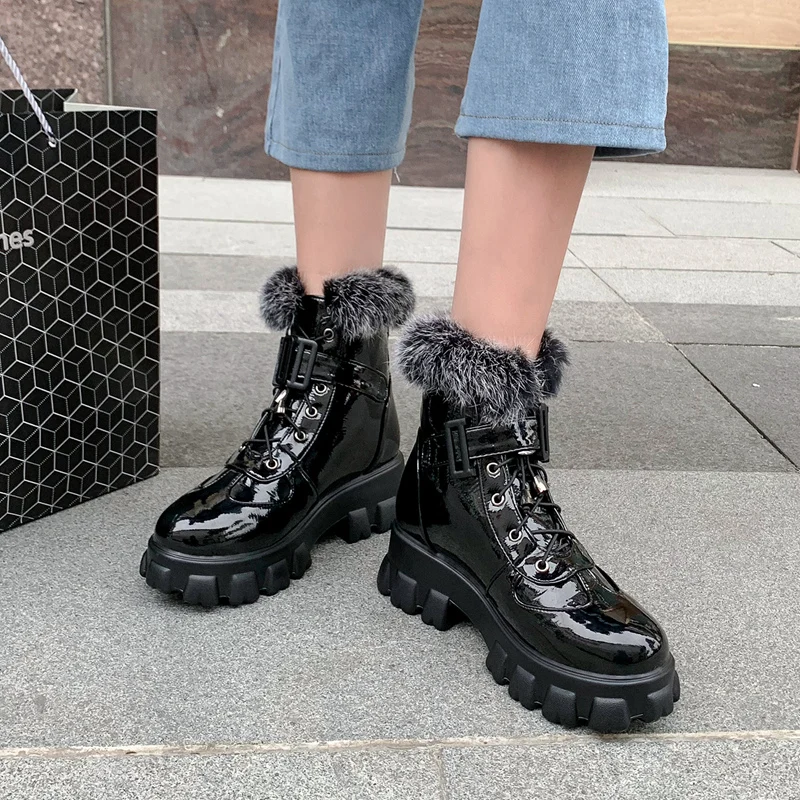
79,337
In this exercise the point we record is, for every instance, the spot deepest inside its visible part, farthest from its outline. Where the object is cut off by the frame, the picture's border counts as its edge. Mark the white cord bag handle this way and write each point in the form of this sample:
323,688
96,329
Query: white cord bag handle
23,84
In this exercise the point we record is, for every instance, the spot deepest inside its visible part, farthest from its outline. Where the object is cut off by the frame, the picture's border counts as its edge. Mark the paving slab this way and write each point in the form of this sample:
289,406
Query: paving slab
624,405
94,657
683,182
193,237
276,240
190,197
580,320
410,207
616,215
600,322
763,382
647,252
642,406
248,273
195,197
201,237
624,770
724,324
793,246
697,286
756,220
217,273
276,776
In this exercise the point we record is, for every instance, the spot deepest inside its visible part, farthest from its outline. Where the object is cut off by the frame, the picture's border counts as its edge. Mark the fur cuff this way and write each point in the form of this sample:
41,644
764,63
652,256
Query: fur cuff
360,303
503,385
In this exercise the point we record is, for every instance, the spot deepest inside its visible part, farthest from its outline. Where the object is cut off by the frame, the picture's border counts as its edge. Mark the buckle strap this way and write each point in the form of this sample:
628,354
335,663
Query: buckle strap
295,356
300,363
460,444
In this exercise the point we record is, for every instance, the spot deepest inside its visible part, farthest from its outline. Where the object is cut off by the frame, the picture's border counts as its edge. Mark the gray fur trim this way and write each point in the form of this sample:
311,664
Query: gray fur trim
501,384
281,298
360,303
366,302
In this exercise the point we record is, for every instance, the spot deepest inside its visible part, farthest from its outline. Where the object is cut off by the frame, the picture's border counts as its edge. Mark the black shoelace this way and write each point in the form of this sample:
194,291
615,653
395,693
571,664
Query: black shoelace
534,490
276,417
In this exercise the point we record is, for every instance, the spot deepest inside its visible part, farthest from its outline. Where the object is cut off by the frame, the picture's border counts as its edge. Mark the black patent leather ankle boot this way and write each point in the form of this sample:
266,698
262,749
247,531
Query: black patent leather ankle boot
478,536
324,456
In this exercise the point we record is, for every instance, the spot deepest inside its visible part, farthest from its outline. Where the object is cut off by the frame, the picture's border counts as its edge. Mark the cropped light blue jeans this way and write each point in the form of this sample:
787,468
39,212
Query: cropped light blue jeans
588,72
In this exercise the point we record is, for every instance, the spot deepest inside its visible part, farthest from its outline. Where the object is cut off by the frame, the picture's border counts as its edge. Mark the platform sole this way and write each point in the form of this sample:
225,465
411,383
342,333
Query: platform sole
420,581
355,511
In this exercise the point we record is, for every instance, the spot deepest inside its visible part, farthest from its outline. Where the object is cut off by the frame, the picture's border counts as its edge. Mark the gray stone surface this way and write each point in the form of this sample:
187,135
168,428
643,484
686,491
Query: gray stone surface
616,215
707,287
216,273
601,322
246,273
651,252
276,776
93,657
763,382
679,182
750,220
624,405
724,324
597,770
642,406
581,320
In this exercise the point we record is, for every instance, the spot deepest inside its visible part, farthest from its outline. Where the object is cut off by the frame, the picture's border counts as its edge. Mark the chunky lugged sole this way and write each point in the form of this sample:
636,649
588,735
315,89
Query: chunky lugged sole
418,580
354,512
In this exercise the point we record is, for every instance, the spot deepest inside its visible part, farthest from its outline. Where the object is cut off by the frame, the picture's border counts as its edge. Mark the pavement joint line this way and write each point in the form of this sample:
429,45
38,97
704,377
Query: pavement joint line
361,745
724,344
736,408
646,322
441,775
649,216
785,249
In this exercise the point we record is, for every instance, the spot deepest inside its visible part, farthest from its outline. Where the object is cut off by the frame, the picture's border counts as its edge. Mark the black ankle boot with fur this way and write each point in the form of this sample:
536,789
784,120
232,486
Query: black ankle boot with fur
325,454
478,536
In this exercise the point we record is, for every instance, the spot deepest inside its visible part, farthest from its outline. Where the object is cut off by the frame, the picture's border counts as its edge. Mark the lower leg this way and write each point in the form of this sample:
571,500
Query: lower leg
520,203
340,222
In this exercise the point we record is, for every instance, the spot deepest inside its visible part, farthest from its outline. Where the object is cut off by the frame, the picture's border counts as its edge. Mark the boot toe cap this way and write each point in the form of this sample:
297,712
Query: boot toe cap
203,522
612,635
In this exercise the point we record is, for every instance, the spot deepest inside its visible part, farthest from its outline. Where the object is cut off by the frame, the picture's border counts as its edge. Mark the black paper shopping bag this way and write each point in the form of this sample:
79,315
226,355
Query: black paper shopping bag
79,338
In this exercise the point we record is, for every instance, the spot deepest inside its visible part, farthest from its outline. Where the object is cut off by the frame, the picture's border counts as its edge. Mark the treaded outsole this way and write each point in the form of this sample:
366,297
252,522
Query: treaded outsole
558,705
247,586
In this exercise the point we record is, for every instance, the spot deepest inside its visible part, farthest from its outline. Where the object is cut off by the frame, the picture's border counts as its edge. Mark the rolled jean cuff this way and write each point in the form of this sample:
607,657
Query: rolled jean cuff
611,140
333,162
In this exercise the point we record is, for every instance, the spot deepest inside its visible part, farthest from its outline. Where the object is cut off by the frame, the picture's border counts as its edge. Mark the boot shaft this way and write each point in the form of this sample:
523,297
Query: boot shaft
337,345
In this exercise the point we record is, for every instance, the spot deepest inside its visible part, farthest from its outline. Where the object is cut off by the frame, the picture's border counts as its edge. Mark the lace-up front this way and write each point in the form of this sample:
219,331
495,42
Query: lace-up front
536,504
267,441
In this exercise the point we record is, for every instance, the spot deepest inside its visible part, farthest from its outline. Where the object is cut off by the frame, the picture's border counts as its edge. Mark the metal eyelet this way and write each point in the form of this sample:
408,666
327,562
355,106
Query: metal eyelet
541,566
497,499
272,463
515,535
300,436
320,389
492,469
328,334
312,412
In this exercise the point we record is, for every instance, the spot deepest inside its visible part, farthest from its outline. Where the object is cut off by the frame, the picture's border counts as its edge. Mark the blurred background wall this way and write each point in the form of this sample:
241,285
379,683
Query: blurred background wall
205,64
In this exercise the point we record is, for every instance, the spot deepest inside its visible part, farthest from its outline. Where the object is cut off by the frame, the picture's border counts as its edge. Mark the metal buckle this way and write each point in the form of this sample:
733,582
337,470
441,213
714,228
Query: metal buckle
543,432
290,362
460,426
